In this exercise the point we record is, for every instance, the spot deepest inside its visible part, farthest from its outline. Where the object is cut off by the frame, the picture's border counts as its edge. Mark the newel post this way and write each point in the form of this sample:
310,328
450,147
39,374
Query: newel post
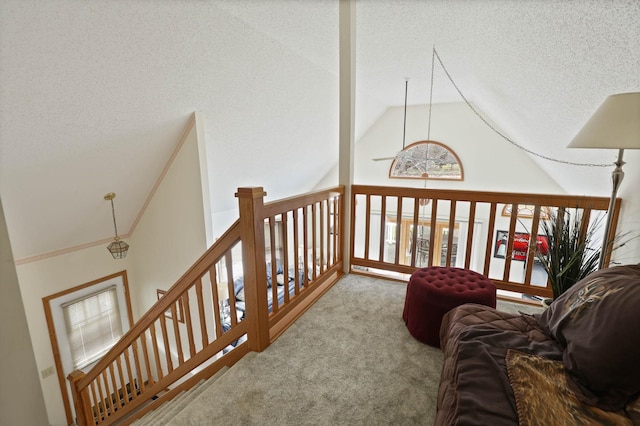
80,399
251,204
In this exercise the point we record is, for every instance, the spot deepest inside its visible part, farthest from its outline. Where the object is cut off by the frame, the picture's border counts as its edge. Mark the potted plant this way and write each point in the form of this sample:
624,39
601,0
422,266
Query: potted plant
571,254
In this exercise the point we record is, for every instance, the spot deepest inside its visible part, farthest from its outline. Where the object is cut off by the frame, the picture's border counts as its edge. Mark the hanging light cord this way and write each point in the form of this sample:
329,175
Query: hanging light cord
404,128
433,63
113,212
498,132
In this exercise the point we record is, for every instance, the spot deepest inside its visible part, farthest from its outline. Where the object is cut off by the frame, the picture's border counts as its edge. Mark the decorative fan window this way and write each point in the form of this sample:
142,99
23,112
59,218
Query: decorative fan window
427,160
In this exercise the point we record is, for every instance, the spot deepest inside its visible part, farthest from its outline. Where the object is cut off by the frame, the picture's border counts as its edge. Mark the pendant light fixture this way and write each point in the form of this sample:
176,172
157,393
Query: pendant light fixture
117,248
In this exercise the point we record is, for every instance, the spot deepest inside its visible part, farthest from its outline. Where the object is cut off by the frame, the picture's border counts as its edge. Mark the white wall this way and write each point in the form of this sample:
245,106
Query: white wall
49,276
171,235
21,399
489,162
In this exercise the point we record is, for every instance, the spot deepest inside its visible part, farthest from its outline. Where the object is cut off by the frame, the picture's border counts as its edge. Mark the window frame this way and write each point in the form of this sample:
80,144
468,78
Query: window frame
425,175
57,326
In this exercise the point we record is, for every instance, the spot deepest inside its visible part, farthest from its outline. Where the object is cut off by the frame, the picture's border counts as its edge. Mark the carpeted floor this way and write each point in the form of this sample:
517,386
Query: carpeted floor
349,360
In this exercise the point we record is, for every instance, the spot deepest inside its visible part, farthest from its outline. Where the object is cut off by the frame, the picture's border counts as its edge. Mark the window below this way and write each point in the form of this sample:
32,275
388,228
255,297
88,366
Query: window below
84,322
440,241
93,326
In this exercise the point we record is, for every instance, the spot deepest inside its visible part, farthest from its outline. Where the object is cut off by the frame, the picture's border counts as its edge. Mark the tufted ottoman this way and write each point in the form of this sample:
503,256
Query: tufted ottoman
434,291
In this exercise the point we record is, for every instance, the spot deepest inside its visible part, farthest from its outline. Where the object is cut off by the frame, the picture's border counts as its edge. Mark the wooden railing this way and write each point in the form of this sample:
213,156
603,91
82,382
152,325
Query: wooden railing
383,240
189,334
200,324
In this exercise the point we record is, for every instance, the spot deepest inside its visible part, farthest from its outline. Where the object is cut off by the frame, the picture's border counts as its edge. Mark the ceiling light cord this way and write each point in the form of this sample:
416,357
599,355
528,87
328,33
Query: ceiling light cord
433,63
499,133
113,213
404,128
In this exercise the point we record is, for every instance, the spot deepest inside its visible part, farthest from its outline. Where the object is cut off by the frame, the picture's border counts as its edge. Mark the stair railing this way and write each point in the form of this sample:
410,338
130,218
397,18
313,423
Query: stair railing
192,328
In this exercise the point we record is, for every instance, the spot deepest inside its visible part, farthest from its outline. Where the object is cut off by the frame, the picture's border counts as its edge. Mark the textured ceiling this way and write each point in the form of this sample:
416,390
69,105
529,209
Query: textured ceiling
95,95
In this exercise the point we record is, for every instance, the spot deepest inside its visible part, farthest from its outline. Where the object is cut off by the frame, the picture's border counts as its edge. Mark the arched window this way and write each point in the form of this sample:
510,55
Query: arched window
427,160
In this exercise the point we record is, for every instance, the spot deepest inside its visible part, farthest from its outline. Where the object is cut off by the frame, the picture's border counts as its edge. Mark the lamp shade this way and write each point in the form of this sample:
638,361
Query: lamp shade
615,125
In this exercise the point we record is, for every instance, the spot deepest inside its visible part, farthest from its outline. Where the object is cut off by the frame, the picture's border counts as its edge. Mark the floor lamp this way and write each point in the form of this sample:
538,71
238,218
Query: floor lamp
615,125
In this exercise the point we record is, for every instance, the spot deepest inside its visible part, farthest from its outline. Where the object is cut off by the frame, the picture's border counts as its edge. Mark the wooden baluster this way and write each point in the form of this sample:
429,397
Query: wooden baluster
136,360
490,227
330,237
531,251
232,294
334,230
512,233
470,227
285,256
452,228
176,332
296,242
127,362
584,225
117,403
147,361
201,315
396,257
383,225
108,407
305,246
367,225
321,235
156,350
165,340
189,325
125,400
414,232
432,233
340,227
274,284
95,407
217,303
102,403
314,222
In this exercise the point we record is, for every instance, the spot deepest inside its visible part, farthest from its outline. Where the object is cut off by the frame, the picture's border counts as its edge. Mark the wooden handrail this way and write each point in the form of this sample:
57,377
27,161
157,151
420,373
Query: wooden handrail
568,201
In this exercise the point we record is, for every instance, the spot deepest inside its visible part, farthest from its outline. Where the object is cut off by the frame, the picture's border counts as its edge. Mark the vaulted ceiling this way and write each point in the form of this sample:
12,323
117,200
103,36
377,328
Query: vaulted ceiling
95,95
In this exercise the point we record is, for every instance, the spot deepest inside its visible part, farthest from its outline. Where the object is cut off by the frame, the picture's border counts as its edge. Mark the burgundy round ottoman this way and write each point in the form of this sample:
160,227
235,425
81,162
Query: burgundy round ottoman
434,291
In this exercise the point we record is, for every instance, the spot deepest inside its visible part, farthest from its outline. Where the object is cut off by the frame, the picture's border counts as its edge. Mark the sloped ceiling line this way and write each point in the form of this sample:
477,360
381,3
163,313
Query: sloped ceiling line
190,125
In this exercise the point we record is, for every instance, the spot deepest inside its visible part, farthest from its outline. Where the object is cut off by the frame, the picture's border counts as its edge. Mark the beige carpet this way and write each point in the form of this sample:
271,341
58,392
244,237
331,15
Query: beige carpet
349,360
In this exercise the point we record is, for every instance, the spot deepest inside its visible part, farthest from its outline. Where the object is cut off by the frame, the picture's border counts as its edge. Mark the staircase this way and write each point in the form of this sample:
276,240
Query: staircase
168,411
153,366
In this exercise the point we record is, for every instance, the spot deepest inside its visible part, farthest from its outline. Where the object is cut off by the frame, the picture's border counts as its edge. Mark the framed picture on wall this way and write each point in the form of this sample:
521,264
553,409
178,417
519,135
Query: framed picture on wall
179,307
